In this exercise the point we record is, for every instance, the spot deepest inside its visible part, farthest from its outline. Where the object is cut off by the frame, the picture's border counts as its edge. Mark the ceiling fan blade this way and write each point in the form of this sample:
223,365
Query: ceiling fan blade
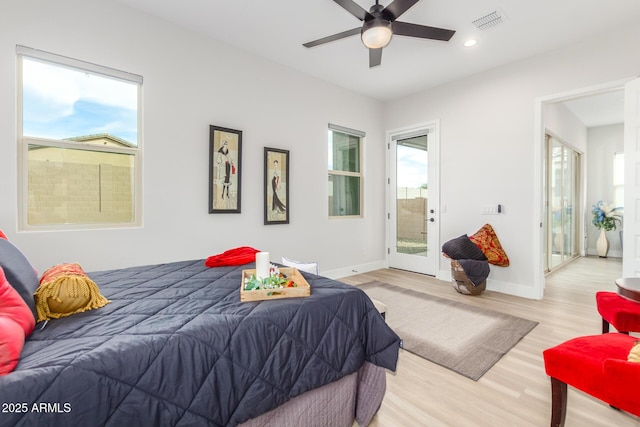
375,57
334,37
422,31
397,8
355,9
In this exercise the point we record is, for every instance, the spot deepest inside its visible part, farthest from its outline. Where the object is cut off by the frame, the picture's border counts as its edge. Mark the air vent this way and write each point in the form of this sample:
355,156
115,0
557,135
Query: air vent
489,21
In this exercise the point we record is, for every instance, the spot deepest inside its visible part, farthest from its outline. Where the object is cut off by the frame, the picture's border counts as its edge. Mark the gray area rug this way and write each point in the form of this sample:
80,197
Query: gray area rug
466,339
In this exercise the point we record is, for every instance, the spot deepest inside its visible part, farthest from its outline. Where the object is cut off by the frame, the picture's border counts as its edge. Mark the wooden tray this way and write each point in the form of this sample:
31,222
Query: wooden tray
302,290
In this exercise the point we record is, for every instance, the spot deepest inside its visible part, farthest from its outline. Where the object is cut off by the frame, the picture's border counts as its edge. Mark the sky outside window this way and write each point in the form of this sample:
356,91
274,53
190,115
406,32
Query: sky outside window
60,102
412,167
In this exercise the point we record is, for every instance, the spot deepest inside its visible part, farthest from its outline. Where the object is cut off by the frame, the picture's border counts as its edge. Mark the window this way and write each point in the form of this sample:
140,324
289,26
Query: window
345,172
79,143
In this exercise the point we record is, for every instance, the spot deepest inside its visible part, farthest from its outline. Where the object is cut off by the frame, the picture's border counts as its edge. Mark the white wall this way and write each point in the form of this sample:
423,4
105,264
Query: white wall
561,123
488,147
489,150
603,143
190,83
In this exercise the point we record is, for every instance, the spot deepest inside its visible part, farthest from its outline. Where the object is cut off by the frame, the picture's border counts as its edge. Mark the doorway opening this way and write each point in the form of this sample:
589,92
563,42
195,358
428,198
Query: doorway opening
549,120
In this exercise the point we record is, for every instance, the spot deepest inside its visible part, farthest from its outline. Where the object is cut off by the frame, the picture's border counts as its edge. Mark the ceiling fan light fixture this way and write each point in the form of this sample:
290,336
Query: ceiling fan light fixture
376,33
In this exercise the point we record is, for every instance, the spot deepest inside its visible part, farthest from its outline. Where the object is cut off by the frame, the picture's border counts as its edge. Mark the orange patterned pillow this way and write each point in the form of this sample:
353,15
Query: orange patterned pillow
488,242
65,289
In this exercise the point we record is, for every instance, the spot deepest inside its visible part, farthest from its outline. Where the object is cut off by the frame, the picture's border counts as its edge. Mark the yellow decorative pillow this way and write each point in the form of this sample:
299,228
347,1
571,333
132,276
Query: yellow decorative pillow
634,354
65,289
487,240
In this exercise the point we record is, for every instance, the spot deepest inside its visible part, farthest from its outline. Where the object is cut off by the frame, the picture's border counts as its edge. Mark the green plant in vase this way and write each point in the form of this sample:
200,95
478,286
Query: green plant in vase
605,218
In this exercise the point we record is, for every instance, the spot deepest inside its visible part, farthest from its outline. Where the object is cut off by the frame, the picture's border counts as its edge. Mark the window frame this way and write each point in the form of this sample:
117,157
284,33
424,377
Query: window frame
23,143
360,175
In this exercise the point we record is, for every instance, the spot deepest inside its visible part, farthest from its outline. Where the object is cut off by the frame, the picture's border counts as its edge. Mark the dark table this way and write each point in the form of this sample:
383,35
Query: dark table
629,287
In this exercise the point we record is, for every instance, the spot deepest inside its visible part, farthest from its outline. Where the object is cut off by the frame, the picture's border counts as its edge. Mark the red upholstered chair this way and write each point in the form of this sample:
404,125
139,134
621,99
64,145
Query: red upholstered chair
618,311
596,365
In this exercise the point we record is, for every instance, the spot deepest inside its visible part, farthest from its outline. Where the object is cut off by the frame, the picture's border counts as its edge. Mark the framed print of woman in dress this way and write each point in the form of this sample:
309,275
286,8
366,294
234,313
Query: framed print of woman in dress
276,186
225,157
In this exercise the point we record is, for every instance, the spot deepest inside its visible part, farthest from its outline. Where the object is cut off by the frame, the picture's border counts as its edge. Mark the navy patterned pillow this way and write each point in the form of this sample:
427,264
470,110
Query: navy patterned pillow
463,248
19,273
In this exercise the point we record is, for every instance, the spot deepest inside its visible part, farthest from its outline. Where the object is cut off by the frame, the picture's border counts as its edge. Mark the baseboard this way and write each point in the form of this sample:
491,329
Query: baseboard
514,289
500,286
445,275
356,269
614,253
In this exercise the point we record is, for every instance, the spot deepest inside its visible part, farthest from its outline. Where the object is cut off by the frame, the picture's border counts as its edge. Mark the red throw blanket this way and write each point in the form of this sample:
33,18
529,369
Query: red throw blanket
236,256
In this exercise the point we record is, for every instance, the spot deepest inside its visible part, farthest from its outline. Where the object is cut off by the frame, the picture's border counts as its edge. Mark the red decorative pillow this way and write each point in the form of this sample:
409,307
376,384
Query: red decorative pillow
488,242
11,343
236,256
3,236
13,306
16,323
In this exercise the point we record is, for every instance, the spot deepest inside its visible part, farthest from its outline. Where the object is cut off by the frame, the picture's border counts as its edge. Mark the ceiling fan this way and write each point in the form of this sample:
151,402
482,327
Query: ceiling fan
379,25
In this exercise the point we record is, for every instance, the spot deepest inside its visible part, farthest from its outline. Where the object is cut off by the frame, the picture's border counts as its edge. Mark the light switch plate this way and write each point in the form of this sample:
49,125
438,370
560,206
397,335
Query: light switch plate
490,209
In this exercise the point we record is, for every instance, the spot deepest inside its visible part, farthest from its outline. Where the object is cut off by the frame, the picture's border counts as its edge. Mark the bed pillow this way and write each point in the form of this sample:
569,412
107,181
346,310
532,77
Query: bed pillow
65,289
16,322
487,240
462,248
3,236
19,272
309,267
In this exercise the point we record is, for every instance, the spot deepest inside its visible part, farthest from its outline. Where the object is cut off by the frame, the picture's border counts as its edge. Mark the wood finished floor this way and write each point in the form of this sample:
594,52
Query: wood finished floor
516,391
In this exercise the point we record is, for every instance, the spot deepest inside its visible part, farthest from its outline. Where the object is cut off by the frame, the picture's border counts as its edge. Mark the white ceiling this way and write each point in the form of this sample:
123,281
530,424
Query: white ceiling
599,110
277,29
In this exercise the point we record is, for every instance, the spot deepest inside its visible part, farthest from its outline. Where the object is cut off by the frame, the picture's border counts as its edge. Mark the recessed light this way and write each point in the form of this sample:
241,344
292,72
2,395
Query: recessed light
470,43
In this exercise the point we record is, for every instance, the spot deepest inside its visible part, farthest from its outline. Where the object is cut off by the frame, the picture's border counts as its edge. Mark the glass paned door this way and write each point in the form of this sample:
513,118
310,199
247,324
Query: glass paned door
412,216
412,182
562,201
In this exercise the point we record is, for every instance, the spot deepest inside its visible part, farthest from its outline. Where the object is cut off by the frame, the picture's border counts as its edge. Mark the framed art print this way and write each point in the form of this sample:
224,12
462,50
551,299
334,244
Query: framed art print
276,186
225,170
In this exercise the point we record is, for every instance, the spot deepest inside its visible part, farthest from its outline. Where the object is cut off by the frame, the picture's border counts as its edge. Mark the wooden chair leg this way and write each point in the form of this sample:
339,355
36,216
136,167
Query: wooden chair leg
605,328
558,402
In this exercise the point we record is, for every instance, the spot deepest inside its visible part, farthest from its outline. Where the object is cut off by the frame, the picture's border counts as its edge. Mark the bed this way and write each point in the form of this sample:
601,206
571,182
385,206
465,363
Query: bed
176,347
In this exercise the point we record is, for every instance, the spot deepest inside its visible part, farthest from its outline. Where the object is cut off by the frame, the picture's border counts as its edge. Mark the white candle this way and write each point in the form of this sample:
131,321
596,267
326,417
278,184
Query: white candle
262,265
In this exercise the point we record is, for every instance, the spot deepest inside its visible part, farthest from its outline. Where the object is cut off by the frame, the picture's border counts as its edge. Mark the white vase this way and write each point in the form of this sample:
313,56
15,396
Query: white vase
602,244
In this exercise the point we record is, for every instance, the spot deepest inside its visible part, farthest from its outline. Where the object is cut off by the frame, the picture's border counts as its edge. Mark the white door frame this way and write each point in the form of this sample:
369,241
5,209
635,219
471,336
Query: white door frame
433,192
538,159
631,231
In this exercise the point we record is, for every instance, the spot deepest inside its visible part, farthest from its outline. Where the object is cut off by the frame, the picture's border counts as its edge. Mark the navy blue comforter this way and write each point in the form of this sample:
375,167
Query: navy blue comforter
176,347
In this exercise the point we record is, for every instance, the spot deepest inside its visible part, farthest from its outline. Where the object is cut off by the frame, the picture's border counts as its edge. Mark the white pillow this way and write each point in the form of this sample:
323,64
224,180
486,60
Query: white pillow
309,267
